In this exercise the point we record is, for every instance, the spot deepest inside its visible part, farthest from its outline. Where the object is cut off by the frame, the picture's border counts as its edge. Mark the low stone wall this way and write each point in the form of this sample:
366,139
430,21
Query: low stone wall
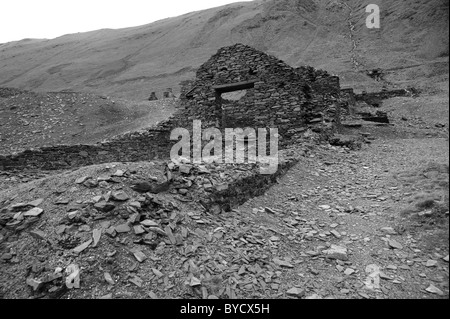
241,189
9,92
137,146
150,144
375,98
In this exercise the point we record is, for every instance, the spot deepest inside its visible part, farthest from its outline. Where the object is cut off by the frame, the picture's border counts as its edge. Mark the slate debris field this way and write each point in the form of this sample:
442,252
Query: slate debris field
92,207
339,224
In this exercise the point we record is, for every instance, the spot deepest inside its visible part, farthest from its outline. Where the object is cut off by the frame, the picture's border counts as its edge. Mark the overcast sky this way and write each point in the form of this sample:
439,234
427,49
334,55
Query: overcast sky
20,19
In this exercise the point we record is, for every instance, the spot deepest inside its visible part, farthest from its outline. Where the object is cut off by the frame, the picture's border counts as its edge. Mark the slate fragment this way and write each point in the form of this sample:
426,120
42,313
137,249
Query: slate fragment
336,252
96,235
82,247
34,212
139,255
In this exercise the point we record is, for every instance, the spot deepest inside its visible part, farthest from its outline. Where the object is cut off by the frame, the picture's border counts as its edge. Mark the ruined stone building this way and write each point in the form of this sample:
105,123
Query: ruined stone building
276,95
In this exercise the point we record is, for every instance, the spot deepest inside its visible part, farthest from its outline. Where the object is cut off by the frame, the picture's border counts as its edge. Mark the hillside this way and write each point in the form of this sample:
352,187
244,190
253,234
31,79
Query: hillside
31,120
130,63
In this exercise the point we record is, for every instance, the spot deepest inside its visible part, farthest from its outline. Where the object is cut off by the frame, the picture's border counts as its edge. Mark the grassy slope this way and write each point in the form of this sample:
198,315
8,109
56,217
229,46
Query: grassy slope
132,62
32,120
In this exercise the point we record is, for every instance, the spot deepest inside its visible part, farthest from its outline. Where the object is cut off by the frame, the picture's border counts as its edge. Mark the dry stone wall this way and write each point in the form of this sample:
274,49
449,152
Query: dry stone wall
9,92
137,146
376,98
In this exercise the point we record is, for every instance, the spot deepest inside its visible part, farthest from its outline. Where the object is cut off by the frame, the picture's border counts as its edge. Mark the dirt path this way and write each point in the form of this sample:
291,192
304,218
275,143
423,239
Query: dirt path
351,25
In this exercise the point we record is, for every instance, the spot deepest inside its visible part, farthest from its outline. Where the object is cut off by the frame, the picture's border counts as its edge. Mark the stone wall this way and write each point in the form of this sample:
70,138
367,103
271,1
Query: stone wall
137,146
348,95
10,92
245,185
376,98
277,94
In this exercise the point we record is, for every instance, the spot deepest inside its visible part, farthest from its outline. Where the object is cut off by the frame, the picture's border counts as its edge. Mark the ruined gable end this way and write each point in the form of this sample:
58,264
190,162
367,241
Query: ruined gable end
241,86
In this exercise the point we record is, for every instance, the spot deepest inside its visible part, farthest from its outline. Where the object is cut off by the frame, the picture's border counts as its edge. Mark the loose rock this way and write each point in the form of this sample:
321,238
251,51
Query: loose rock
282,263
296,292
434,290
137,281
336,252
34,212
34,283
96,234
120,196
139,255
81,180
109,279
104,206
36,202
394,244
149,223
123,228
194,282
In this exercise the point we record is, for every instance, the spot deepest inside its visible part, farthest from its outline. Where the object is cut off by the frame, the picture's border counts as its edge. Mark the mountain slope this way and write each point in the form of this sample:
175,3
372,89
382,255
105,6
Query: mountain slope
132,62
31,120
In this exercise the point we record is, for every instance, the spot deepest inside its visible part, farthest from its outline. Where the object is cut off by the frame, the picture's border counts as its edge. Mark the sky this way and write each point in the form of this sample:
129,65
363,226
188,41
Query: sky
21,19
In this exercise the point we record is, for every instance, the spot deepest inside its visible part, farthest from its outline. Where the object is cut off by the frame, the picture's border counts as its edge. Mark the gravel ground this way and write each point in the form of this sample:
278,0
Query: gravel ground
339,224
